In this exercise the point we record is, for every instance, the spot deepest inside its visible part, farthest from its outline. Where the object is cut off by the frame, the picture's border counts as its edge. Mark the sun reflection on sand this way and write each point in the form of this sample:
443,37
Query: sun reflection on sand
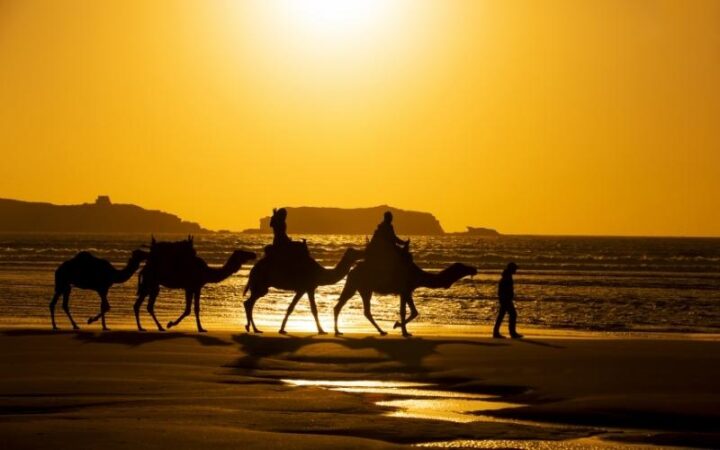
572,444
417,400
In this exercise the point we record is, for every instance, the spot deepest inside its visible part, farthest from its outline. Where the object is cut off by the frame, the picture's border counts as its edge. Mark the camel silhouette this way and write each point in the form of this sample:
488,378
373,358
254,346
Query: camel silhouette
302,275
189,273
364,279
85,271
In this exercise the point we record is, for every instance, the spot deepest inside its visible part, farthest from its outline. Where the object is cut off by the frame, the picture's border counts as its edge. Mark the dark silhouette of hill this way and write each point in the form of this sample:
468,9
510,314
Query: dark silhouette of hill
99,217
319,220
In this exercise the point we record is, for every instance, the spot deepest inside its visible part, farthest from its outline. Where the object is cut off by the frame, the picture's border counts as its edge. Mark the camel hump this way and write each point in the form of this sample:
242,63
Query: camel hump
290,251
172,250
84,256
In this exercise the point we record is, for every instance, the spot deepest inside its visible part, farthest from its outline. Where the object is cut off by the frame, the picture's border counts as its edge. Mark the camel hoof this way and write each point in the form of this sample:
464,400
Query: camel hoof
396,324
322,332
383,333
247,328
170,325
90,320
106,329
406,334
282,332
141,329
337,333
202,330
161,329
75,327
257,331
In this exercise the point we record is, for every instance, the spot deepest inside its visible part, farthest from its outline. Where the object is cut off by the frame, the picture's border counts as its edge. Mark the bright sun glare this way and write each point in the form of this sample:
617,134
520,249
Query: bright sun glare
334,18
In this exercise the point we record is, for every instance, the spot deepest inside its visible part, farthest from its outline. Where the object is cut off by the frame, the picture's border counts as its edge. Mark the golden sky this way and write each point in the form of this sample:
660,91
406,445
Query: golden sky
551,117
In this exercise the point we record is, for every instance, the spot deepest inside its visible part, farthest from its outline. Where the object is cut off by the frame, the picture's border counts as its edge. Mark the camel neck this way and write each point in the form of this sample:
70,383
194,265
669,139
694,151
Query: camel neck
332,276
126,272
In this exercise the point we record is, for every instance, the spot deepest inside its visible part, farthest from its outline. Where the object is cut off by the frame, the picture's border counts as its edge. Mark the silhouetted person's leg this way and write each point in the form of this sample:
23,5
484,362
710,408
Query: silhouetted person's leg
498,322
512,316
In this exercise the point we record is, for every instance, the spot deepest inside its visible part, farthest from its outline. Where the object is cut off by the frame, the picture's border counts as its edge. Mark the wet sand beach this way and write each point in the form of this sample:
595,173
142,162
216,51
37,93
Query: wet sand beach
123,389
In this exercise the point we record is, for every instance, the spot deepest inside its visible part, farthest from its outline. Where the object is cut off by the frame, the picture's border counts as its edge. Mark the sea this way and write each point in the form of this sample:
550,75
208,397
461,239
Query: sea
613,284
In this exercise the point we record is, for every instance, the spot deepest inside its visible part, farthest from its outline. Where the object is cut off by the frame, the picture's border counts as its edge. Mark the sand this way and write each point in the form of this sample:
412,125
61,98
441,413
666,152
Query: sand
124,389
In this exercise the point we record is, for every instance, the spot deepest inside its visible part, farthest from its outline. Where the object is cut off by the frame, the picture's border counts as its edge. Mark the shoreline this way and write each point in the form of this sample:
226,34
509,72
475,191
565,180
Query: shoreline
418,330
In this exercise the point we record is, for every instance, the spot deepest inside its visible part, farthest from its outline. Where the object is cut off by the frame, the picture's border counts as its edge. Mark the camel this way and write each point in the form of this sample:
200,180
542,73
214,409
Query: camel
364,279
302,276
189,273
85,271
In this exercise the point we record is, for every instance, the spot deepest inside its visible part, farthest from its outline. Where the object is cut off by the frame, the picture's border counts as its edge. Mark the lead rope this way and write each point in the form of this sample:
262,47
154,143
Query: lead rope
479,296
477,291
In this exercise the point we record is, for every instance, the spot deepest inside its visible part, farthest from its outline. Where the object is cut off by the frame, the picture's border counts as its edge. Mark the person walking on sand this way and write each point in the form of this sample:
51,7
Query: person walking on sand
506,294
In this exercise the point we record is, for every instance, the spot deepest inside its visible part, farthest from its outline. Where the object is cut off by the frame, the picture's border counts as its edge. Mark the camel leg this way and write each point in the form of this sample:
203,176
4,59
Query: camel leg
366,297
314,310
53,302
66,308
186,311
151,307
142,293
249,304
405,299
104,307
346,294
295,300
413,312
197,313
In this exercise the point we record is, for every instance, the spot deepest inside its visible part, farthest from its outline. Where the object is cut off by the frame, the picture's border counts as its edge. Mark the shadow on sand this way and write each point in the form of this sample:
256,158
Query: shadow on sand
380,354
129,338
539,343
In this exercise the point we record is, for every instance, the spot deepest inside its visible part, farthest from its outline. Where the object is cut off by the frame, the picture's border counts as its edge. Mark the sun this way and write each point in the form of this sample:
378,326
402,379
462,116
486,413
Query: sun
335,18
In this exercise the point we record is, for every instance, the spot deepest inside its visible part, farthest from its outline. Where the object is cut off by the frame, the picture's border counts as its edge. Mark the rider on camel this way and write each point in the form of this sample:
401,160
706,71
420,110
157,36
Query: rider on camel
279,226
282,244
385,239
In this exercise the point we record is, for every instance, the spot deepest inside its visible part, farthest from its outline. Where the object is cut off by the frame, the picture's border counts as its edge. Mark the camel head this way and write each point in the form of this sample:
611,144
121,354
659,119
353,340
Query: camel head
461,270
353,255
240,257
139,255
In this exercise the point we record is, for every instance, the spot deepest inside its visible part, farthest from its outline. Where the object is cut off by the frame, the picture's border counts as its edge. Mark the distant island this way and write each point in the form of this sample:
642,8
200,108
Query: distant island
100,217
104,216
320,220
477,231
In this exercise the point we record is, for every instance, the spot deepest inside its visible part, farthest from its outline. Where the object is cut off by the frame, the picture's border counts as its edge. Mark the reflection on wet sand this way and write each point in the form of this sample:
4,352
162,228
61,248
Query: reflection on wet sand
418,400
424,401
590,443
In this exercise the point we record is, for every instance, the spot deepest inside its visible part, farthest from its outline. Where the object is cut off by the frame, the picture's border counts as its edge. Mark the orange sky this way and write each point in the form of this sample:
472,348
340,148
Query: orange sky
553,117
